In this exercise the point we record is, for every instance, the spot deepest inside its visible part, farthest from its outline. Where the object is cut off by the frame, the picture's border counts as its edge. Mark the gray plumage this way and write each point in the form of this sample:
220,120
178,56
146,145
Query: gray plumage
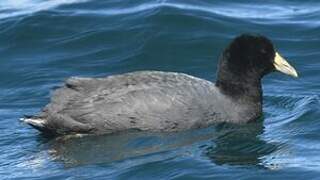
145,100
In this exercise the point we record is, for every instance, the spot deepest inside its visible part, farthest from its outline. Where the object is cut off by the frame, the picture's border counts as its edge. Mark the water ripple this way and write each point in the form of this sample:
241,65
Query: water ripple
13,8
43,42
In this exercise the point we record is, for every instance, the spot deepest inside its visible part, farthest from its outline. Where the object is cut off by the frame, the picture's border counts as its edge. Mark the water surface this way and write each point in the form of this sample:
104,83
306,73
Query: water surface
42,43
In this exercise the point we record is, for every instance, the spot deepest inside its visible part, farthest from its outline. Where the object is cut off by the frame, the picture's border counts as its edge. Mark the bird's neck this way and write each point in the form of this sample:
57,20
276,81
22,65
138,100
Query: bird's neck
250,91
246,97
239,82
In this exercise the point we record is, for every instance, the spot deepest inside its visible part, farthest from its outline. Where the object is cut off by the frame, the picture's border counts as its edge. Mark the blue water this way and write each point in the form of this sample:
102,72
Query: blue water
43,42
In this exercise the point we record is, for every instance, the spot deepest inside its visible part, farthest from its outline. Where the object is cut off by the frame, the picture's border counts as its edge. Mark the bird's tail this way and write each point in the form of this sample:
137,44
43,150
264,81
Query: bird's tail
36,122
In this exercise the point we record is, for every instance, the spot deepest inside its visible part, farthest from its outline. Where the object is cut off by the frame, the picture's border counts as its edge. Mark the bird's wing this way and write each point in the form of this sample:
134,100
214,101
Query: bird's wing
142,100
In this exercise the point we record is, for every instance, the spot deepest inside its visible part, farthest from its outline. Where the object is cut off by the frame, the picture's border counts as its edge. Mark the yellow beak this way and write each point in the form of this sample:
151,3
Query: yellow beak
283,66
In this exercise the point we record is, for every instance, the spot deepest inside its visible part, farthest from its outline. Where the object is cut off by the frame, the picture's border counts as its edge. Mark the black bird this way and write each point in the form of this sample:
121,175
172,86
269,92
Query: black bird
165,101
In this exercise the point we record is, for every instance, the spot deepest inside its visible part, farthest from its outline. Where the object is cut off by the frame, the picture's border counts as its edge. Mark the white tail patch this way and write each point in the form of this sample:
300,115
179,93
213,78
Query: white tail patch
34,122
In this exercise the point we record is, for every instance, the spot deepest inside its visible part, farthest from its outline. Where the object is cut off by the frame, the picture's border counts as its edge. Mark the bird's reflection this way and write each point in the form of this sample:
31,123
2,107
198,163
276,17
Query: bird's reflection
239,145
117,147
222,144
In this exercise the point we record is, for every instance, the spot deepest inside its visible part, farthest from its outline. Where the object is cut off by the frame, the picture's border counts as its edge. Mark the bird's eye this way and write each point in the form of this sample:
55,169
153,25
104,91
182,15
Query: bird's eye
263,51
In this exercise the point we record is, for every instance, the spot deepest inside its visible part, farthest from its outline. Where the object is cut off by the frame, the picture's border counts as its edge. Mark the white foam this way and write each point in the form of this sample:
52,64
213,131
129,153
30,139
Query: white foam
12,8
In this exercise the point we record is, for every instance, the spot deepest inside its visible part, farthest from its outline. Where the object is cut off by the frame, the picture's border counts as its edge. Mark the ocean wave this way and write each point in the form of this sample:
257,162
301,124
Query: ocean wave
13,8
251,11
234,10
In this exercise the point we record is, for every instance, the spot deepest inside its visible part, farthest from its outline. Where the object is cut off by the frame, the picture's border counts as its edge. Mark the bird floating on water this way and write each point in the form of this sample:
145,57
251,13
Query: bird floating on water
165,101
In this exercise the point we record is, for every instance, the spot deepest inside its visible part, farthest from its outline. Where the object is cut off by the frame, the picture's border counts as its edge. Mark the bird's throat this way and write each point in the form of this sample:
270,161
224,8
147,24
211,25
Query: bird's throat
241,91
